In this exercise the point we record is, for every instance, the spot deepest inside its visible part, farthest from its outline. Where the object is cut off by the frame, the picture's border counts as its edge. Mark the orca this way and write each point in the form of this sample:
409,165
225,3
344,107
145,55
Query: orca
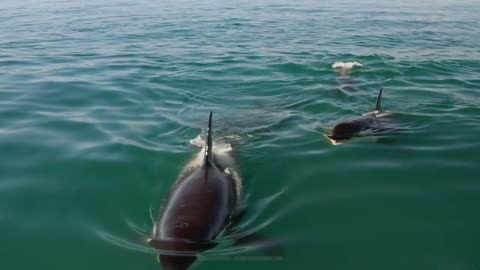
204,202
358,126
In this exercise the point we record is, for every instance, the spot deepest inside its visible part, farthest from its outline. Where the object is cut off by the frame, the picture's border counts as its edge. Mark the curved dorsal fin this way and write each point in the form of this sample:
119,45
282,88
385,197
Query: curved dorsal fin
379,101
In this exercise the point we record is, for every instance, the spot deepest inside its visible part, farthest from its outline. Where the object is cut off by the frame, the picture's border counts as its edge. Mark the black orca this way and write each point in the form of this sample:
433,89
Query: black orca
204,202
354,127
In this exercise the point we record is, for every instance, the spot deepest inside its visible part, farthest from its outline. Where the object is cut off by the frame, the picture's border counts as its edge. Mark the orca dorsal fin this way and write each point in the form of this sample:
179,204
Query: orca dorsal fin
208,143
379,101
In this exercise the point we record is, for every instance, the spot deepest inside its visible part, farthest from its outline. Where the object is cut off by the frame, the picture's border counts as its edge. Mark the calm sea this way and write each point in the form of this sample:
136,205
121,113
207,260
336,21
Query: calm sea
99,101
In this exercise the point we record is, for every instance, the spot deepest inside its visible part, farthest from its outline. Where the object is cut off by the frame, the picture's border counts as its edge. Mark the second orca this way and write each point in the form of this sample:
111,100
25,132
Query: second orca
370,122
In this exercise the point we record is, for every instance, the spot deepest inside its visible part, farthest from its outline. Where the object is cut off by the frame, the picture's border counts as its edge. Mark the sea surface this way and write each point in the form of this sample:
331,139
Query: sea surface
99,102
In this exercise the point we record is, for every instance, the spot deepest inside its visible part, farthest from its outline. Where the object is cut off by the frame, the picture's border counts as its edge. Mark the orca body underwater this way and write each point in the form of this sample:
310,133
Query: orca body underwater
204,202
358,126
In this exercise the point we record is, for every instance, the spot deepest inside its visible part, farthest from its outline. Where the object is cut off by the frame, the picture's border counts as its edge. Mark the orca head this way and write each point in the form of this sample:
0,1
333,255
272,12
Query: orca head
345,131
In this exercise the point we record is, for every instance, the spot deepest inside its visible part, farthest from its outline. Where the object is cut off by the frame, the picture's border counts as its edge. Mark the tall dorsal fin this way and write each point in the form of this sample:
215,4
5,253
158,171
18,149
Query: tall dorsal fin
379,101
208,143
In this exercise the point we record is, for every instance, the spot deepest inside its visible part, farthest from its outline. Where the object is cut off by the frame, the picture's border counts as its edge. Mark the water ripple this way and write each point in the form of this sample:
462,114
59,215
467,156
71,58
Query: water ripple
98,103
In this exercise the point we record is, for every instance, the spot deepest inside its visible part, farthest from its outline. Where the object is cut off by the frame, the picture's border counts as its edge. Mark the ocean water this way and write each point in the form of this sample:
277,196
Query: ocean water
99,101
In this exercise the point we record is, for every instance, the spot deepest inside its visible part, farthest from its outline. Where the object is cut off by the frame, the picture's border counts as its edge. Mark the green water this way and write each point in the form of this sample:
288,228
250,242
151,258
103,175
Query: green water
99,101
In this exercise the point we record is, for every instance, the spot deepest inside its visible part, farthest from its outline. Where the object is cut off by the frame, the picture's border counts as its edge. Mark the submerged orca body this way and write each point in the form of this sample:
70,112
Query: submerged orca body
203,203
351,128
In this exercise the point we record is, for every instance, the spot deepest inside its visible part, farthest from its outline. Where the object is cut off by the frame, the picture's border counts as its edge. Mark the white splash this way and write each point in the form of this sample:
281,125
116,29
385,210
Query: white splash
346,65
197,141
217,147
345,68
219,150
378,114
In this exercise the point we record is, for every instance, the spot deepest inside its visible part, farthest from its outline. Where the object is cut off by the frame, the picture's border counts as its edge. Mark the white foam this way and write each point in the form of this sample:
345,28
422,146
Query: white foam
220,149
217,147
346,65
197,141
378,114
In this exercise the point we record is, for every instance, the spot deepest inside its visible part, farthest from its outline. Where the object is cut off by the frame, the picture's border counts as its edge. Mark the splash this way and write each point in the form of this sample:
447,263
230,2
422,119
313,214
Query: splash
218,147
346,67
